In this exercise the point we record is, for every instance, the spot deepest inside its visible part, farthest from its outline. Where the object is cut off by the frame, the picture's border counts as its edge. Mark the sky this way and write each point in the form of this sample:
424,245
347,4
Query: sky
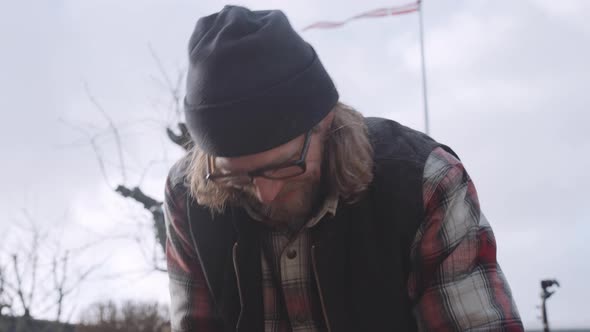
507,90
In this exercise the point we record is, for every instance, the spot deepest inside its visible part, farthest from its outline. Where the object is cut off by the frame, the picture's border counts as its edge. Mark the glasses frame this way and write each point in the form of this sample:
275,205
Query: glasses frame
300,162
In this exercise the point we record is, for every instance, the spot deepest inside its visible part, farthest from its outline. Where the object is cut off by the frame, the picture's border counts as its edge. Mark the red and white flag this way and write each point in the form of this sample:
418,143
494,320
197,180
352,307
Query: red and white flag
380,12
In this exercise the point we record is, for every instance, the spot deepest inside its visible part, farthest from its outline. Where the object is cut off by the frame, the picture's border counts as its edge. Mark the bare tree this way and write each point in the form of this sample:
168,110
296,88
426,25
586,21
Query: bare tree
64,283
176,133
38,278
180,138
25,265
129,317
6,300
545,294
150,204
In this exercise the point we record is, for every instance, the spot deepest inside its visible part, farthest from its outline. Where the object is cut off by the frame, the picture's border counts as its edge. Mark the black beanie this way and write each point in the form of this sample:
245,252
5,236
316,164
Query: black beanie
253,83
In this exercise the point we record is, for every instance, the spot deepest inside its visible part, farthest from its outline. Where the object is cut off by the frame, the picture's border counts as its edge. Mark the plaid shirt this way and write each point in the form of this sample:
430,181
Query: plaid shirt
290,298
455,281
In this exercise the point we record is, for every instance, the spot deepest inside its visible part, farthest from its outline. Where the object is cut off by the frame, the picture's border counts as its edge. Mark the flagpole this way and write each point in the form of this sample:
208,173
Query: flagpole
424,89
416,5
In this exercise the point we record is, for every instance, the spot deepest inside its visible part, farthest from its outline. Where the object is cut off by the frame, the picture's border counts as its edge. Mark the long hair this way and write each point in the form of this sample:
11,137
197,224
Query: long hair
347,152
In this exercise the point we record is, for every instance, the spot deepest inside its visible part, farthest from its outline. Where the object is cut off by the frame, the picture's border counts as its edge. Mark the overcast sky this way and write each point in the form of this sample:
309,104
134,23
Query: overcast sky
508,91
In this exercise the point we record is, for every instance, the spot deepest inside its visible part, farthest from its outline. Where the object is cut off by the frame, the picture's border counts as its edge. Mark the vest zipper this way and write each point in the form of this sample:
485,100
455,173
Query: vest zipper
317,281
235,261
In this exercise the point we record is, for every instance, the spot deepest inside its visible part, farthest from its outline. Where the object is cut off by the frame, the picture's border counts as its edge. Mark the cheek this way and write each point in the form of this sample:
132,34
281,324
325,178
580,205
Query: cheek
303,182
314,171
311,175
314,161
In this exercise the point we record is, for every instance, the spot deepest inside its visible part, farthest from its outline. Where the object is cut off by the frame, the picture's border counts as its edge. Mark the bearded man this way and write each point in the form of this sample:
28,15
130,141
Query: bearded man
294,212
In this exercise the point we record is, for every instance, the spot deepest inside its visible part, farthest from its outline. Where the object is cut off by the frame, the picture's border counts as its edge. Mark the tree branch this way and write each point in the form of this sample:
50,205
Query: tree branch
113,129
19,283
138,195
183,139
92,140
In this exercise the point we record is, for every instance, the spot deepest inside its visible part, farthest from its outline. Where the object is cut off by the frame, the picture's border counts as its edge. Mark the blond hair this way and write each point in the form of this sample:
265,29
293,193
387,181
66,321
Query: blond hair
348,154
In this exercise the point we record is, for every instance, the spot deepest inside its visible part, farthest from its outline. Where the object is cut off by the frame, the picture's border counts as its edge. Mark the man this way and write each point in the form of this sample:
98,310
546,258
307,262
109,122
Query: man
293,212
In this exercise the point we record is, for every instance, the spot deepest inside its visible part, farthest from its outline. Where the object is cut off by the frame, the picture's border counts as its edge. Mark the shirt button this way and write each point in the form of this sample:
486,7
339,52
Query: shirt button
291,253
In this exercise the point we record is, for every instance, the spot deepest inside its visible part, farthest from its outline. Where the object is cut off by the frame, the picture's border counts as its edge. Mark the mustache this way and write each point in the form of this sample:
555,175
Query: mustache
282,212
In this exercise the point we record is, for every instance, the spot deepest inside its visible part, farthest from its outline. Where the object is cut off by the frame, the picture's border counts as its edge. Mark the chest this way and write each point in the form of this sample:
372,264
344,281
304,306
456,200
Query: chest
290,295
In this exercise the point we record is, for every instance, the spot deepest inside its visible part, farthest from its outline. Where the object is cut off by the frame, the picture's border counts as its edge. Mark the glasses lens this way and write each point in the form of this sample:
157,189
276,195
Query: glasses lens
283,172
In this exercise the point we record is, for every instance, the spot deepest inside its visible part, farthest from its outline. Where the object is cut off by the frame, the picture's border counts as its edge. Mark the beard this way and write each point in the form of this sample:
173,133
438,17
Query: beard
301,198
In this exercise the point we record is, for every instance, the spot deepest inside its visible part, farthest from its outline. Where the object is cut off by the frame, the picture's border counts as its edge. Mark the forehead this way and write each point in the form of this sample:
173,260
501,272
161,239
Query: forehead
254,161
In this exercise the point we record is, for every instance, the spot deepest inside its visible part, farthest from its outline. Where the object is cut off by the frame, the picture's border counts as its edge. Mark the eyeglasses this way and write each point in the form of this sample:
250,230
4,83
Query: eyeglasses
282,171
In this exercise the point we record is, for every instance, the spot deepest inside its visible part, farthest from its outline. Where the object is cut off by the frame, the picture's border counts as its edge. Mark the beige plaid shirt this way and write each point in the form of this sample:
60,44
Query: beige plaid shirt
291,302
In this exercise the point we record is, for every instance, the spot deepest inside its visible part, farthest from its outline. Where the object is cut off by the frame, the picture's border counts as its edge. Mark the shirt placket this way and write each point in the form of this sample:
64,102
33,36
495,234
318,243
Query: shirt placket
295,283
288,302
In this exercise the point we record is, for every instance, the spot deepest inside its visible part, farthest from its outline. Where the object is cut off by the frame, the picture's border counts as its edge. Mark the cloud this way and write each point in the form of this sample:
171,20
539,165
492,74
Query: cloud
507,90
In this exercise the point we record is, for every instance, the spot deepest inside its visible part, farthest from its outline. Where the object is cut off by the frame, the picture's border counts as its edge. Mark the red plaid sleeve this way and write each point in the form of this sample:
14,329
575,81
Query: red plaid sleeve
456,282
191,306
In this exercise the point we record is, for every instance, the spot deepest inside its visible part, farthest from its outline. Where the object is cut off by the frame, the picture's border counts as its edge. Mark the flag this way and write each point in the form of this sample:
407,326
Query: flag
380,12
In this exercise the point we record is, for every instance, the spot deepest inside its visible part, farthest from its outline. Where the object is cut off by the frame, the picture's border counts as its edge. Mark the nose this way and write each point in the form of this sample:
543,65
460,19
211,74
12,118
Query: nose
267,189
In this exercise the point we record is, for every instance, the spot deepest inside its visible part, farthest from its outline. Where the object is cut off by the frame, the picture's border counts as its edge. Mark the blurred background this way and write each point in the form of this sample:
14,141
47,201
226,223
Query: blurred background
89,88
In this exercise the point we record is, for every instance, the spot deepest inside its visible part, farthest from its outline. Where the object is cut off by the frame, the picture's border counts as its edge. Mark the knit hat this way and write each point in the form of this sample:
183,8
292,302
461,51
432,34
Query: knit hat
253,83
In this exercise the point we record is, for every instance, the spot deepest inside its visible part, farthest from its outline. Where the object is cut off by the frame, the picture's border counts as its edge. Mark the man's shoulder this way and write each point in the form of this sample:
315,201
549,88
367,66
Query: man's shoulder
394,142
404,157
178,171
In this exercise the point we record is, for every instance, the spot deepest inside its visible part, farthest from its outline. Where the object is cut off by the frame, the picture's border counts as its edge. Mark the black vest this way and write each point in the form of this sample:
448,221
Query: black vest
360,257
